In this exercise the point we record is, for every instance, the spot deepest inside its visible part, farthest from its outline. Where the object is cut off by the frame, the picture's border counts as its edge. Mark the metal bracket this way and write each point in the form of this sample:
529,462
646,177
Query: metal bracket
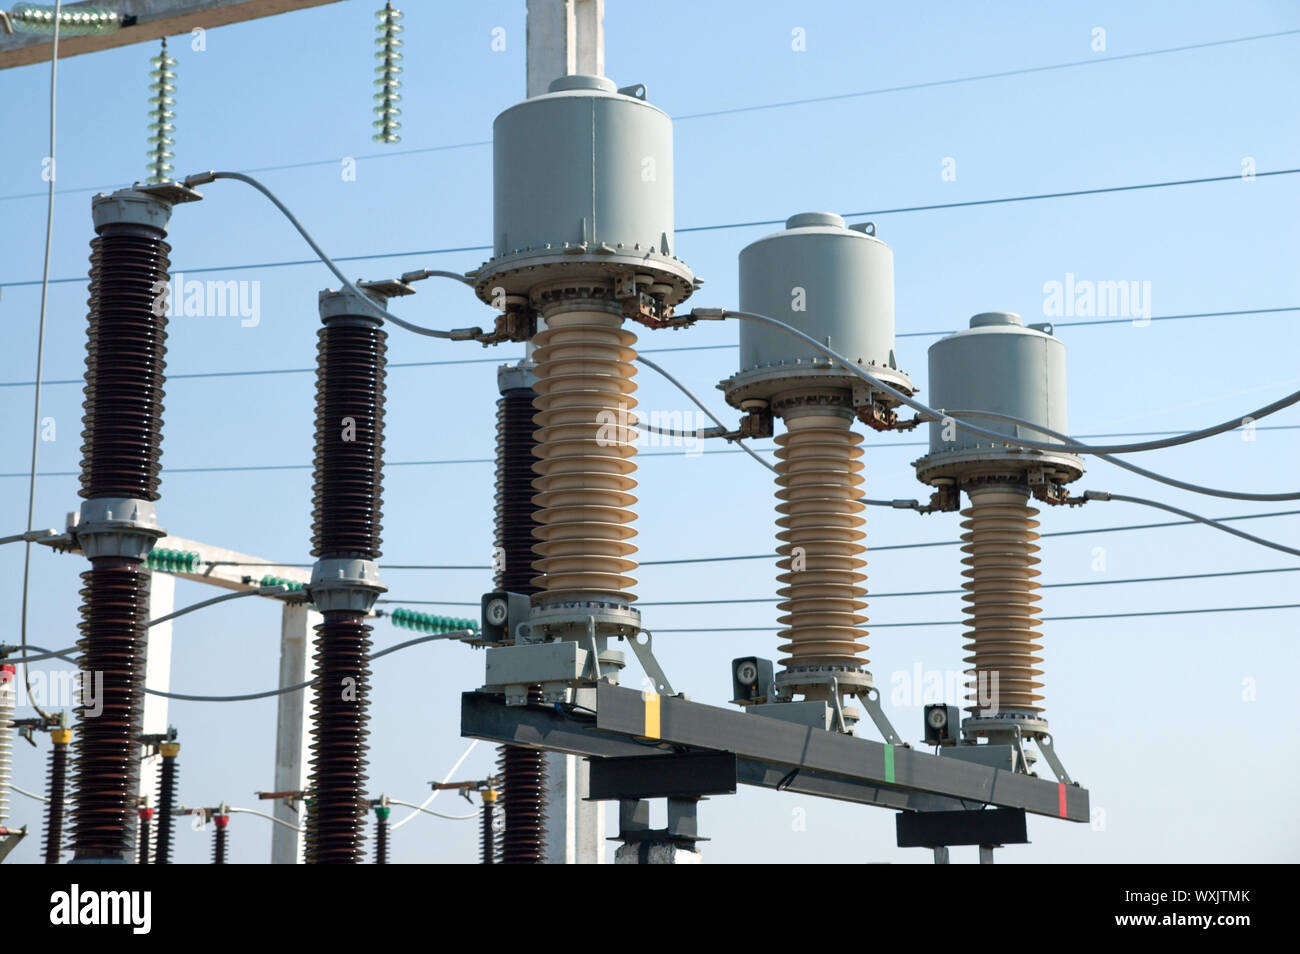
646,657
870,700
1048,748
9,840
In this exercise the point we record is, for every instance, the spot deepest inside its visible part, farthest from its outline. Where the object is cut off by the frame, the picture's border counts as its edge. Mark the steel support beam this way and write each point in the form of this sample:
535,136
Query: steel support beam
152,19
157,675
766,758
679,722
292,731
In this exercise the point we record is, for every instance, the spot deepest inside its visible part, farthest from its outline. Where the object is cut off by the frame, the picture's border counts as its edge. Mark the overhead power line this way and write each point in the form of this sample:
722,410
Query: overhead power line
909,593
755,107
727,225
225,469
962,622
254,372
773,556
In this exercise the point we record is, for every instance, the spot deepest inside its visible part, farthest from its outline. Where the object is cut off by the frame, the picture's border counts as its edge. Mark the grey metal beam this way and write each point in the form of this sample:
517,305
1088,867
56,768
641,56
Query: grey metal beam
487,717
680,722
154,19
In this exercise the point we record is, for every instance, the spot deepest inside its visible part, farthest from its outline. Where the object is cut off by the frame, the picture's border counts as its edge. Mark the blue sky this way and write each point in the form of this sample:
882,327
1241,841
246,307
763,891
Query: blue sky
1148,712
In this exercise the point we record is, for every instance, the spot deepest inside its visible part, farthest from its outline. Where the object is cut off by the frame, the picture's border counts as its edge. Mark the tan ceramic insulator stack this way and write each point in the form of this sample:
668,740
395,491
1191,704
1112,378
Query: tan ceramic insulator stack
584,456
818,476
1000,600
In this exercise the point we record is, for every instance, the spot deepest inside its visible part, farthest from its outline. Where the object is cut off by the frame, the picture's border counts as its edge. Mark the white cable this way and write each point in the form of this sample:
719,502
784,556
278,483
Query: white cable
1150,474
40,343
23,791
930,414
434,794
275,589
1106,495
254,811
430,811
459,334
700,404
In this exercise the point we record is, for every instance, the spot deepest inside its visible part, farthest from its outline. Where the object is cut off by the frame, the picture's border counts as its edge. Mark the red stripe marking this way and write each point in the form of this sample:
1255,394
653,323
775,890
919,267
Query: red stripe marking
1061,790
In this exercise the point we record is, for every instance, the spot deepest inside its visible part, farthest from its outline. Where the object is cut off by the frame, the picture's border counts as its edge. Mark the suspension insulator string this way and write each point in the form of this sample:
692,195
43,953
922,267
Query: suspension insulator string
389,70
161,114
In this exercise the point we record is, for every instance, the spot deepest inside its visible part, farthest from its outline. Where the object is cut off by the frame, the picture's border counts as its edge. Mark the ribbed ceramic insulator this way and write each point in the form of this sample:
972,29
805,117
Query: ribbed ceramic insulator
817,473
114,633
523,775
142,856
125,348
348,489
515,510
220,839
58,791
8,695
381,840
1000,598
488,852
167,777
338,765
584,456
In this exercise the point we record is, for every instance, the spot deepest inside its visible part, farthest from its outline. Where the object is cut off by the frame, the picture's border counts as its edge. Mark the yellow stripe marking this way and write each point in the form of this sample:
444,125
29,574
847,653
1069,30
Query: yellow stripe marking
651,714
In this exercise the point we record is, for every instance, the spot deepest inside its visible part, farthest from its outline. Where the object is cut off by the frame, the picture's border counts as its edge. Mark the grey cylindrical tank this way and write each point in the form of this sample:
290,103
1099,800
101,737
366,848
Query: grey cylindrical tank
583,174
831,282
997,365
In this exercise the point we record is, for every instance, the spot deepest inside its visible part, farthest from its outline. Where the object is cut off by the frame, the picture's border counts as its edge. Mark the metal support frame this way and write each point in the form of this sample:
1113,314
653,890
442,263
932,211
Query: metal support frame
148,20
232,570
157,675
772,753
292,730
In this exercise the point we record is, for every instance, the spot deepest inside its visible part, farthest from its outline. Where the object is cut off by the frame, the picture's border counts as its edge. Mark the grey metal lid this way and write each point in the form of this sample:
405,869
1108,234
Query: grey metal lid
582,81
987,318
811,219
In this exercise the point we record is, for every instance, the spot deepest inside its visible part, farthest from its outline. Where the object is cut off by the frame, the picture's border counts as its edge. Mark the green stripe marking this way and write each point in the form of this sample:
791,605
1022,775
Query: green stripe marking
889,763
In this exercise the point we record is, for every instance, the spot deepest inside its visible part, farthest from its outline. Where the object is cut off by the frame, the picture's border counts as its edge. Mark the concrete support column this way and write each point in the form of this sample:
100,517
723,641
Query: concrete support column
292,730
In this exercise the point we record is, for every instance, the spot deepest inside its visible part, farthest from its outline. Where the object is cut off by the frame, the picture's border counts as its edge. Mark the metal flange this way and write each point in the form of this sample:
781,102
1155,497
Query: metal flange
345,584
117,526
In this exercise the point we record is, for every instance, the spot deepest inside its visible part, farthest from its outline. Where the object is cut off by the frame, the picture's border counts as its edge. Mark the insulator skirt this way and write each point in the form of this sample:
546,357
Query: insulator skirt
142,842
488,854
58,793
8,697
585,449
338,764
168,776
381,841
114,611
125,350
515,510
523,795
1001,592
220,844
347,493
819,502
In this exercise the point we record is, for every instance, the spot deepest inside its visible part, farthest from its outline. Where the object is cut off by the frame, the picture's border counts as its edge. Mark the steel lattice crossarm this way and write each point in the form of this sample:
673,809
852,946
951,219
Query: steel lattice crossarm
139,21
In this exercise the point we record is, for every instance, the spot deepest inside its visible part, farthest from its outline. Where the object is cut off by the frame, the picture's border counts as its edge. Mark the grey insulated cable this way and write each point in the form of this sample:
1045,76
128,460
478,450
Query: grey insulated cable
1151,475
40,345
460,334
700,404
1104,495
275,589
930,414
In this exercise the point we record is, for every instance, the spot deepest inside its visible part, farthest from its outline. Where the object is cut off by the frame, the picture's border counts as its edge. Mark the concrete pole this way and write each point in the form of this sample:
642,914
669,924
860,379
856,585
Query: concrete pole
567,37
564,37
157,675
292,730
